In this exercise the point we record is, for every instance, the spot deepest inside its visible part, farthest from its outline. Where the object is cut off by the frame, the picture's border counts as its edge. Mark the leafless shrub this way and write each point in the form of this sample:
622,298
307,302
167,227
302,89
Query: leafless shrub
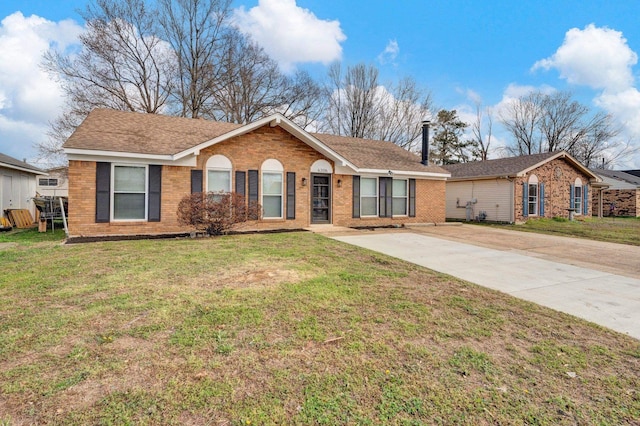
215,212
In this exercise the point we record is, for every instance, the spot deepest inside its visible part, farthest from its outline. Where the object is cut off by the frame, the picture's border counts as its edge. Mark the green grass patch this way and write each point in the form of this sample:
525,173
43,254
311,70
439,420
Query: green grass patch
623,230
288,329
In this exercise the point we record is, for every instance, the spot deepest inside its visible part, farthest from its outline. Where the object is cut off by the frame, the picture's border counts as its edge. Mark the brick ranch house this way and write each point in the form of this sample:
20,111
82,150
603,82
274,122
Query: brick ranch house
516,189
128,172
620,197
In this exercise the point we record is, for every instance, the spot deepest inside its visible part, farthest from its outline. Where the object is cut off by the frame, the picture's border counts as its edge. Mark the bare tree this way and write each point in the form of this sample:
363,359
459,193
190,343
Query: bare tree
122,64
358,105
196,30
542,122
482,131
522,119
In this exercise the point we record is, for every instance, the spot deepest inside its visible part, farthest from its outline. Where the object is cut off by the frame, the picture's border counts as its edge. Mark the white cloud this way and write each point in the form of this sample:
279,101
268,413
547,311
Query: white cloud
29,99
596,57
390,52
291,34
601,59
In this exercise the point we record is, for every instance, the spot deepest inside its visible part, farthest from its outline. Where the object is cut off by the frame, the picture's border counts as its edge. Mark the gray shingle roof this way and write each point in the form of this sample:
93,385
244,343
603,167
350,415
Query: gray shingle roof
619,174
5,159
128,132
122,131
500,167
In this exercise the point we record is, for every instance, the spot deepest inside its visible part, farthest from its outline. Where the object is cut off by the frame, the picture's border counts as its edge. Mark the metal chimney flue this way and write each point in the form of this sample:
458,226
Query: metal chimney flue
425,142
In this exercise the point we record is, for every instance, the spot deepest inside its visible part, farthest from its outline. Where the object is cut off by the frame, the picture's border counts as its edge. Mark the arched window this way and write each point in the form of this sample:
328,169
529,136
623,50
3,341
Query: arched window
219,174
577,196
272,178
533,195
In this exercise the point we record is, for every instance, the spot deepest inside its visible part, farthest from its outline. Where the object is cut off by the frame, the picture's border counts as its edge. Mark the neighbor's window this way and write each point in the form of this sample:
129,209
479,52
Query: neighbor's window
577,197
368,197
129,193
533,195
272,172
400,197
218,174
48,182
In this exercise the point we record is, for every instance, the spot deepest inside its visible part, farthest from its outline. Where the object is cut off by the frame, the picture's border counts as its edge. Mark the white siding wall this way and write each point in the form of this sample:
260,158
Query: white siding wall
495,197
17,190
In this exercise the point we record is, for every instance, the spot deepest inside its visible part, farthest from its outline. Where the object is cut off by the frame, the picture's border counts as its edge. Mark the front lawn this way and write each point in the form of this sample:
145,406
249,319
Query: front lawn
288,328
623,230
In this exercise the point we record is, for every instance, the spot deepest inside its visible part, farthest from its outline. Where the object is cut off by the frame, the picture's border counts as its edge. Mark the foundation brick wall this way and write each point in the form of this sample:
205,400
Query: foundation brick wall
246,152
557,176
626,202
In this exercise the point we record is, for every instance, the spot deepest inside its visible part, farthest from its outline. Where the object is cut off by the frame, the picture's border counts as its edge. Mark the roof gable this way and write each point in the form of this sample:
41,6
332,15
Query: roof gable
120,134
510,166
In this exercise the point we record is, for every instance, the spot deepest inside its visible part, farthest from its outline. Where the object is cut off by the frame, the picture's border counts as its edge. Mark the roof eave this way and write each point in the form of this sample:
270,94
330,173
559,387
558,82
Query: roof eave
23,169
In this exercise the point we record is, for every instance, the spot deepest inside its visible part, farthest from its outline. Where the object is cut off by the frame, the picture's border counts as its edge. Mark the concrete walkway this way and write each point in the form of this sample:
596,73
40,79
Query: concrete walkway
610,300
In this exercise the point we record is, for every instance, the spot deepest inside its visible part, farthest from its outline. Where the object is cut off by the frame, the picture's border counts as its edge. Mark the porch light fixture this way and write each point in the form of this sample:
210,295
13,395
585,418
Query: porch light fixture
304,181
339,183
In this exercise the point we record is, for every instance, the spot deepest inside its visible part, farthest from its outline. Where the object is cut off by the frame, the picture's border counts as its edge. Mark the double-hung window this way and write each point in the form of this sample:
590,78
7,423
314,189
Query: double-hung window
400,197
272,186
533,195
577,203
129,192
218,175
368,196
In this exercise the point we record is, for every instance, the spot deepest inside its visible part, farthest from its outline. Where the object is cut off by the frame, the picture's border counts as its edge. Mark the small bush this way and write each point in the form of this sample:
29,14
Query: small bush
216,212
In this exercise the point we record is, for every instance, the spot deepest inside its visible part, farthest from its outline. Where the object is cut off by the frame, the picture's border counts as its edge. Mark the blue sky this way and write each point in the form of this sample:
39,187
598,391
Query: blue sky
460,50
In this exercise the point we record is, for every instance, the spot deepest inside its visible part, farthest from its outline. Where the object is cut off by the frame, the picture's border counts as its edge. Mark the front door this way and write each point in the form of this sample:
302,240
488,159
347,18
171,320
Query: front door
320,198
7,194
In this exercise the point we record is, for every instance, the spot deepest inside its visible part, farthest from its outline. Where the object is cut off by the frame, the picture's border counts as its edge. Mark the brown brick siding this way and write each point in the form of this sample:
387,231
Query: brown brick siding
246,152
556,186
626,202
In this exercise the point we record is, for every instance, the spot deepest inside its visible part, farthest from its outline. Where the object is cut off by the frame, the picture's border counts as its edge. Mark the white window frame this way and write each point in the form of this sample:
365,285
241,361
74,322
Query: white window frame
270,167
377,196
47,182
578,200
219,163
405,198
533,182
113,192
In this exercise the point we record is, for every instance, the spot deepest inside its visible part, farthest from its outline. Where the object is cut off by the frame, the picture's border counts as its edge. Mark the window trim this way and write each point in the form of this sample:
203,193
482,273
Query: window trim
377,196
577,200
405,197
112,192
220,164
48,181
268,167
218,169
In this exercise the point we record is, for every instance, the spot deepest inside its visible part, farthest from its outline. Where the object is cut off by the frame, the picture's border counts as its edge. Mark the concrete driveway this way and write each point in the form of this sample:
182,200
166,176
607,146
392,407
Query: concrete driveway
594,294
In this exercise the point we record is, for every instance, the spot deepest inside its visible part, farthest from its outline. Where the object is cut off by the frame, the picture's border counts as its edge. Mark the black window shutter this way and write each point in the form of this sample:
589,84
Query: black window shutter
356,197
385,196
241,183
291,195
253,188
196,181
412,198
155,189
103,192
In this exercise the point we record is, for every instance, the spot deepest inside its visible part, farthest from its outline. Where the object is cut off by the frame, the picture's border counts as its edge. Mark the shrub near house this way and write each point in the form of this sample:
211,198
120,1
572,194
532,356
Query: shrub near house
128,172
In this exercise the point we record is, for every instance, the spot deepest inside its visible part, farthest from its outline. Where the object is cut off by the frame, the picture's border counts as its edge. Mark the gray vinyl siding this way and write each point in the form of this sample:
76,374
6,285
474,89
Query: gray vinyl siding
495,197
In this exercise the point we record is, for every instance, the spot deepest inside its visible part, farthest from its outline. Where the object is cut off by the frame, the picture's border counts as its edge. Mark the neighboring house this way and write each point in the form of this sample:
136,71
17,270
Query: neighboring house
17,184
55,183
622,195
516,189
128,172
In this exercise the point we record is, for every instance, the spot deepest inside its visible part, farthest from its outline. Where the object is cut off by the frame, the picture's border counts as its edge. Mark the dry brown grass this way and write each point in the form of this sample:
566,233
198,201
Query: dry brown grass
289,329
